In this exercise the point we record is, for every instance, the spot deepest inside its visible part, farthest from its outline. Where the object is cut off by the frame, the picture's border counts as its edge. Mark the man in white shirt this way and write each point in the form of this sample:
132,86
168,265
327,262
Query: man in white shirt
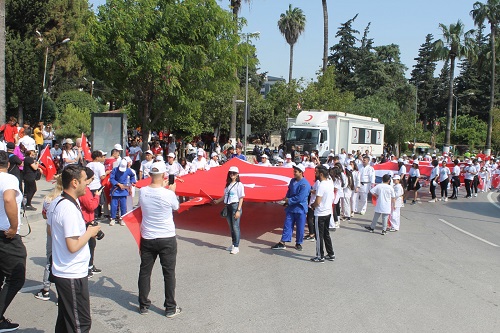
27,140
386,199
70,252
342,156
146,165
135,153
264,161
288,161
214,161
322,212
367,179
158,239
12,250
200,163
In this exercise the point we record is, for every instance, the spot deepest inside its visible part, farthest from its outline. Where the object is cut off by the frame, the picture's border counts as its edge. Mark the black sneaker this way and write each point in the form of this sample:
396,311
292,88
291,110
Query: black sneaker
90,275
369,228
298,247
143,310
383,232
318,259
348,219
27,208
43,295
174,313
330,257
96,270
309,238
279,246
7,326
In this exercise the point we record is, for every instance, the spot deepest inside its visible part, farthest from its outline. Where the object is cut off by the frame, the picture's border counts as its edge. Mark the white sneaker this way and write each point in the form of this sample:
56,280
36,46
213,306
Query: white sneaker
230,248
433,200
362,213
445,199
122,223
235,250
440,199
112,222
475,194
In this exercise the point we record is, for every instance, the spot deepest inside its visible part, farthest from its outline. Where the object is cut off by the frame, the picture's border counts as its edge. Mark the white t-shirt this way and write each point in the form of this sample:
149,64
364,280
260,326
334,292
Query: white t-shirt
456,171
402,171
72,155
236,192
398,190
135,150
99,171
200,164
27,141
66,221
9,182
146,168
157,205
444,173
213,163
414,172
384,193
313,194
288,164
325,191
434,173
470,171
174,168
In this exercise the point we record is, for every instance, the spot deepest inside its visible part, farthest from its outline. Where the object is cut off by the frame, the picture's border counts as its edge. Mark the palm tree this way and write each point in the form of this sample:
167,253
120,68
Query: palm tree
291,24
2,61
325,35
490,12
455,44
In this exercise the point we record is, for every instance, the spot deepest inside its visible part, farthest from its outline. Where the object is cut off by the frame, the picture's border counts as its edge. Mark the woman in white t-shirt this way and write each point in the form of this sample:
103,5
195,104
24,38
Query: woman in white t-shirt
356,184
434,179
234,193
69,155
444,179
413,182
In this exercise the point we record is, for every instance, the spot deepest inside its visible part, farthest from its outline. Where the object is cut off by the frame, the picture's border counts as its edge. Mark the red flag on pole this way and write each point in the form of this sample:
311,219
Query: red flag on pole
86,150
49,169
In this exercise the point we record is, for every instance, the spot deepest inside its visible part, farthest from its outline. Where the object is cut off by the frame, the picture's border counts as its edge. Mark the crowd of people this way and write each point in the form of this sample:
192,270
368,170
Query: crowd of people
103,190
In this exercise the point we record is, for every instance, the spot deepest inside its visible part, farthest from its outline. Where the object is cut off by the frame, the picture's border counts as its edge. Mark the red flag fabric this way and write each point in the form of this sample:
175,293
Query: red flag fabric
495,181
87,154
191,203
262,184
133,221
49,169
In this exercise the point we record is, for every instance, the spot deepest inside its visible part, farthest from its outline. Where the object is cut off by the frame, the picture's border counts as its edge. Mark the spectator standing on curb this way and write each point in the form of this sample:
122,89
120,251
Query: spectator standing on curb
12,250
70,253
158,239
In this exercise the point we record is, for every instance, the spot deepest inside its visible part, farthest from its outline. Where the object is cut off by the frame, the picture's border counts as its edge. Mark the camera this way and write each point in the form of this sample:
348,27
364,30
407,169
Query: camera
100,234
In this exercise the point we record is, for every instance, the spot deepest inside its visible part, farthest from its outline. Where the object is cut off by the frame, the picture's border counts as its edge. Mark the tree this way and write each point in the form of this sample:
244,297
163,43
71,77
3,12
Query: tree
72,121
165,57
325,34
423,76
2,61
291,25
456,44
489,12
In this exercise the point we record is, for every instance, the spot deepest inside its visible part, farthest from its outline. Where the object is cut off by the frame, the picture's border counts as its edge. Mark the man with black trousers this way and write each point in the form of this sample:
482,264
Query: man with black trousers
70,252
12,250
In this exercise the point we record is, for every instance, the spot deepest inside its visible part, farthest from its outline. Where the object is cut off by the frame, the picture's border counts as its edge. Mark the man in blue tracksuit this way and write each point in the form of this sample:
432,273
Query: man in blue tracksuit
121,179
296,209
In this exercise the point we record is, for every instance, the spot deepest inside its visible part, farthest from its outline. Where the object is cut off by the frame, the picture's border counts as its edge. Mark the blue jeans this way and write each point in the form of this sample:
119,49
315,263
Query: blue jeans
234,224
114,206
291,219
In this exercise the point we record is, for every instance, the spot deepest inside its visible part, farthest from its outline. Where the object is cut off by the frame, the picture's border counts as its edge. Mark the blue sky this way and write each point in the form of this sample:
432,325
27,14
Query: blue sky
402,22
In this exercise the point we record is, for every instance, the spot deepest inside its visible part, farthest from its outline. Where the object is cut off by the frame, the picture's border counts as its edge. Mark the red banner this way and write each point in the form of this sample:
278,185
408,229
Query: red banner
87,154
49,168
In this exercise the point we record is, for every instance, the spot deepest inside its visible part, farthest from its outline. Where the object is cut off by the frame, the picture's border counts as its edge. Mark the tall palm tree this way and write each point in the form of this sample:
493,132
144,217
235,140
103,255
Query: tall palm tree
2,61
455,44
489,12
325,35
291,24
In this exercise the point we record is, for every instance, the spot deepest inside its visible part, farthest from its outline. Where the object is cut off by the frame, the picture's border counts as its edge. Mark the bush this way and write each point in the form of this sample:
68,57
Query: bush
79,99
71,122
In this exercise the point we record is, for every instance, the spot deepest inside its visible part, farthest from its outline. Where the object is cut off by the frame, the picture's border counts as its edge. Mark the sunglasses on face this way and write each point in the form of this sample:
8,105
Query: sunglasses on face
233,173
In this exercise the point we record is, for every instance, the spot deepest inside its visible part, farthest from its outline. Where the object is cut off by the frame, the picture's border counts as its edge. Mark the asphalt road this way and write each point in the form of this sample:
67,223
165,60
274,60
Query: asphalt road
428,277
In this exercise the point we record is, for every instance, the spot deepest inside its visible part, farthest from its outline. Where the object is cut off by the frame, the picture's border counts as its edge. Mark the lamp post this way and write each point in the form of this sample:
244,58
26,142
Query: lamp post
248,35
64,41
456,109
415,117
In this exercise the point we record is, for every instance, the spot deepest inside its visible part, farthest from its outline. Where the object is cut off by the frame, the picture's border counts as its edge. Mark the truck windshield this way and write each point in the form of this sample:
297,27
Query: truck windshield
302,134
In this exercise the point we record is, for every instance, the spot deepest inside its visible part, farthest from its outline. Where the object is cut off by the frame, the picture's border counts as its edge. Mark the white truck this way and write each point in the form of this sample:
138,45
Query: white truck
333,130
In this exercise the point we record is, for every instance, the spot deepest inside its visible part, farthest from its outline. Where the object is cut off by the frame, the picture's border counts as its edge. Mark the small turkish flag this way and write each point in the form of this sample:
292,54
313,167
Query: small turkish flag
49,169
87,154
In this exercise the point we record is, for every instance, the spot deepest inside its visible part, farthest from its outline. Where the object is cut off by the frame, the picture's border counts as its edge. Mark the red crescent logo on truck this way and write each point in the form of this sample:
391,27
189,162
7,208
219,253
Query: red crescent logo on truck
310,117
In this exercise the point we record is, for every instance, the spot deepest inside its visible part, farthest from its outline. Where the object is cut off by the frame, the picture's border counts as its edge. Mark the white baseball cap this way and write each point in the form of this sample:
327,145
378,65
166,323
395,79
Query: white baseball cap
171,155
264,156
400,160
128,159
300,167
104,153
234,169
159,158
148,152
200,152
158,168
288,156
280,160
69,141
214,154
313,155
331,155
118,146
396,177
415,162
123,165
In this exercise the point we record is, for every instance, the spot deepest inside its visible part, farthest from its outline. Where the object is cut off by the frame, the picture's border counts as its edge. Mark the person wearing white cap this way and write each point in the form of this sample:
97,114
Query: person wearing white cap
173,167
214,161
288,161
367,179
200,163
264,161
413,181
279,161
158,239
121,179
234,193
396,211
296,209
146,164
69,155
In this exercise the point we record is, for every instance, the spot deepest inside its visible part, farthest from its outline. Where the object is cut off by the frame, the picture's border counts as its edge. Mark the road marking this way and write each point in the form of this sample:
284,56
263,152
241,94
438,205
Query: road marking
490,199
468,233
30,289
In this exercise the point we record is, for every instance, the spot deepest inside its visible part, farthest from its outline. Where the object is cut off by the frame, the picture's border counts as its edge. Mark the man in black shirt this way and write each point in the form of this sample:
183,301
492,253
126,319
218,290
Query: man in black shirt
14,163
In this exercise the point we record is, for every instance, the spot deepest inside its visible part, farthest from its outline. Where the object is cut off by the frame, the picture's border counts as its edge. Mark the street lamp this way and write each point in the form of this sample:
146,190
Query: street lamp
248,35
415,117
64,41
